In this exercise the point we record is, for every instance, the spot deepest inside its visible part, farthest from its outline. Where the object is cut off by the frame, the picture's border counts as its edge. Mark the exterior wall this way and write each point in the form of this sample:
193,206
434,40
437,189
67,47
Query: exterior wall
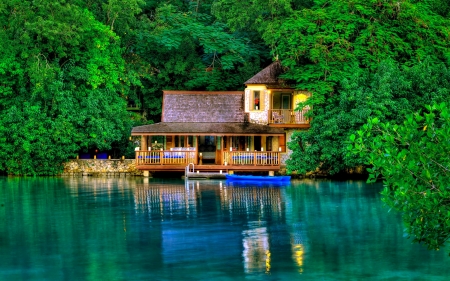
300,96
275,144
260,116
114,167
285,156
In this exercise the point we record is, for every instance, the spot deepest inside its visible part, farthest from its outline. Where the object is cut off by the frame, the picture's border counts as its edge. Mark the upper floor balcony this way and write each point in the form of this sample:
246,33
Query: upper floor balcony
288,118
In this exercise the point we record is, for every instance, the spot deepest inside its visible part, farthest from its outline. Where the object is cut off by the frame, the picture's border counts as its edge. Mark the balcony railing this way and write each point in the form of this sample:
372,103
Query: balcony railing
165,157
288,116
255,158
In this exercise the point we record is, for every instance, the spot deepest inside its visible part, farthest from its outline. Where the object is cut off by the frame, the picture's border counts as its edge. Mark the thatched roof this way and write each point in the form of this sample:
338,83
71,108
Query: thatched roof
268,75
203,106
206,129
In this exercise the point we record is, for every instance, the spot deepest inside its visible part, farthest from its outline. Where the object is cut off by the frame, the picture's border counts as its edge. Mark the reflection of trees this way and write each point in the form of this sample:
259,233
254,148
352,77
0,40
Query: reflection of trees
64,228
342,223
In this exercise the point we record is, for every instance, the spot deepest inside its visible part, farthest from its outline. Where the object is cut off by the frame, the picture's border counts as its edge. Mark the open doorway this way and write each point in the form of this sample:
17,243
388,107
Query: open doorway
257,144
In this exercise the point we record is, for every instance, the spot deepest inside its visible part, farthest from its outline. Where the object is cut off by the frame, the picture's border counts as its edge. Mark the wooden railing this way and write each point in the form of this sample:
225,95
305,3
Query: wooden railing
287,116
255,158
165,157
184,157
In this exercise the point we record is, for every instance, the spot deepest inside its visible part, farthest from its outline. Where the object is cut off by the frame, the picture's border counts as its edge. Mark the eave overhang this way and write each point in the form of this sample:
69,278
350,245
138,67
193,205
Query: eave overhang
206,129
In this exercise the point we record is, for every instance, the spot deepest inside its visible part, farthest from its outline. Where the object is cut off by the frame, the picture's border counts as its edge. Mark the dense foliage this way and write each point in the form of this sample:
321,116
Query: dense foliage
68,69
335,48
60,72
414,162
388,94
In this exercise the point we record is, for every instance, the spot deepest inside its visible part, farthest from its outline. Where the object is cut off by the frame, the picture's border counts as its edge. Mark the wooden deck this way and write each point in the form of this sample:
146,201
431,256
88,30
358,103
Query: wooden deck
252,161
207,168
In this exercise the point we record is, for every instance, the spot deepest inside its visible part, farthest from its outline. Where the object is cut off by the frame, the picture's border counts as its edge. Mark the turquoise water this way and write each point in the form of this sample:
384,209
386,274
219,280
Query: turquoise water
140,229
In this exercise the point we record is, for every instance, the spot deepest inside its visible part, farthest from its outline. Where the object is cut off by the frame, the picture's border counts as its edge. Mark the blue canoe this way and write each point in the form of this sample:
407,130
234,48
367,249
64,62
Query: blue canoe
258,178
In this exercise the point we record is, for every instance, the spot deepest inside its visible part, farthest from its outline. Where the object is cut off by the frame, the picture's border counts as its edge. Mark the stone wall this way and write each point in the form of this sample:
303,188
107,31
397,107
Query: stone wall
99,167
258,117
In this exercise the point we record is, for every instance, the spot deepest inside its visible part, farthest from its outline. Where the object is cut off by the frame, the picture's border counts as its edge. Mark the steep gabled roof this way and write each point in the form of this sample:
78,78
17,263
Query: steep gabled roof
268,75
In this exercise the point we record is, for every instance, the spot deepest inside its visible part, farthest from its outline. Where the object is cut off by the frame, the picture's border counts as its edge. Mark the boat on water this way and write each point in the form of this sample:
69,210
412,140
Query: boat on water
258,178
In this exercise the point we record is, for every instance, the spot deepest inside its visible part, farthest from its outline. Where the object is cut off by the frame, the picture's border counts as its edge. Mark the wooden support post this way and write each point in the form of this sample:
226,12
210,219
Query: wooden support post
143,143
221,152
146,174
263,142
271,173
196,150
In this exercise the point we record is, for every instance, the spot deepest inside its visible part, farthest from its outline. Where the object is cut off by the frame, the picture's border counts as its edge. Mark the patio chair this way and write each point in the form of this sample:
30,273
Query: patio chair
277,117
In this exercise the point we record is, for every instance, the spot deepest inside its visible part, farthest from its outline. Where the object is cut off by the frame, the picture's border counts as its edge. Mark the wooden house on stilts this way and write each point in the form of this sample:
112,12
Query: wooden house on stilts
229,130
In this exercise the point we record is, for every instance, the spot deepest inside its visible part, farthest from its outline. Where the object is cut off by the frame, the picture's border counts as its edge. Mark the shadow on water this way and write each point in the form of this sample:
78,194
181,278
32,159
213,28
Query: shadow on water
166,229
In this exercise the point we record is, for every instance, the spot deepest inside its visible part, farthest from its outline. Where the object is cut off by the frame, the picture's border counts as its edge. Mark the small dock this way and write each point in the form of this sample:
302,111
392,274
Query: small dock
192,174
205,175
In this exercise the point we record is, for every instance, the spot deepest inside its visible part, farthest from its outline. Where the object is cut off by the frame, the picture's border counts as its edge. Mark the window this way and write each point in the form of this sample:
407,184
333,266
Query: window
257,100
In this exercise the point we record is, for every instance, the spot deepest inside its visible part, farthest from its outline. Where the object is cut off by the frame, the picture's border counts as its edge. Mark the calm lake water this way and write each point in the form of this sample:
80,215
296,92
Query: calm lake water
141,229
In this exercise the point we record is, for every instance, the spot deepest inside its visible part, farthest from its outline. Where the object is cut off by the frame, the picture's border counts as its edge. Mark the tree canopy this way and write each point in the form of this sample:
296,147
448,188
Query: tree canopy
413,159
335,43
69,68
60,76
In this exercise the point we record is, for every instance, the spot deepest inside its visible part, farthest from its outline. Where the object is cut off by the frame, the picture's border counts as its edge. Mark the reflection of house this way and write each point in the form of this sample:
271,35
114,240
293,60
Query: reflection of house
258,201
256,251
224,130
163,201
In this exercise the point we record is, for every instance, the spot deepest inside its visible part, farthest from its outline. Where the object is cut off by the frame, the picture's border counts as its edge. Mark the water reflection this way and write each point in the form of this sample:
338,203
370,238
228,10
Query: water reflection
137,229
170,201
256,248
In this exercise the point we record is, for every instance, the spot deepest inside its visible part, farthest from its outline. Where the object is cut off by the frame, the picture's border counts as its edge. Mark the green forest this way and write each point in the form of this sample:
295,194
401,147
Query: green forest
377,70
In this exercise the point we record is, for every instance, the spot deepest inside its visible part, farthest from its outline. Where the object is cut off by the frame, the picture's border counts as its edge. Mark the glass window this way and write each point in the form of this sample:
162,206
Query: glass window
256,100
